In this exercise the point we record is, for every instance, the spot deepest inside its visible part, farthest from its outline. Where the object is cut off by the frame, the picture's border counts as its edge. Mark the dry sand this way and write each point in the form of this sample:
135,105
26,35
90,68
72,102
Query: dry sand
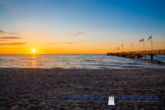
47,89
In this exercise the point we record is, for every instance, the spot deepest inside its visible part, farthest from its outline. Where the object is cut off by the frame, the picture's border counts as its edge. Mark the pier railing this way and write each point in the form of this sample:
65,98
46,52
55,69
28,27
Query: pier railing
147,52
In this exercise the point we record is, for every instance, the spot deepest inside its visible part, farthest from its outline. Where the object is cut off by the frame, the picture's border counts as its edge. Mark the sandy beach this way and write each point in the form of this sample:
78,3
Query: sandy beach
47,89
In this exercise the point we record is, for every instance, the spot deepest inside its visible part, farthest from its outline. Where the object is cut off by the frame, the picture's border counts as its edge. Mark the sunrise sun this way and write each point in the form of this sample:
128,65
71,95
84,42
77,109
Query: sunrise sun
33,50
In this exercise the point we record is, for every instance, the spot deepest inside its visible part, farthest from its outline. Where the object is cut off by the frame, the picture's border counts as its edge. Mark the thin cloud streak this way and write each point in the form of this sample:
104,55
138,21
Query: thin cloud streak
10,38
3,40
5,32
25,33
159,41
54,43
18,43
66,43
72,43
79,33
11,33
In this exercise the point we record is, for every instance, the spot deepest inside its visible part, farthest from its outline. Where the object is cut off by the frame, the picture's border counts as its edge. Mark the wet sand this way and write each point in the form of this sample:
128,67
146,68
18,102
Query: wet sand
47,89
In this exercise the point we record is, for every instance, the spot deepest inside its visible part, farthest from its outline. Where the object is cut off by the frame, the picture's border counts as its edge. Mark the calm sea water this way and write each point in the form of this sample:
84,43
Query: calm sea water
76,61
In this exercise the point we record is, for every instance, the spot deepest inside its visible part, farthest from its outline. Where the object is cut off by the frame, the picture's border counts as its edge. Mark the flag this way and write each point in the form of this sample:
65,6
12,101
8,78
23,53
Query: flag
132,45
118,48
150,38
141,40
122,45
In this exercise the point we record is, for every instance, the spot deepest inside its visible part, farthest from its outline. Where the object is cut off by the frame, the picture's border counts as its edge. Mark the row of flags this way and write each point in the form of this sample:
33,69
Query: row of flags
142,40
147,40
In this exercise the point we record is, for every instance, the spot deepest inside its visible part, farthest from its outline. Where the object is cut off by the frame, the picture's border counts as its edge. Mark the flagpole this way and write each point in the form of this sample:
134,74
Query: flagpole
151,44
122,47
143,46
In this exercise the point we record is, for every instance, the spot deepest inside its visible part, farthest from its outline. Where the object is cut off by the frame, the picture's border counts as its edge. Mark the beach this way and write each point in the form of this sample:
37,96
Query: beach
47,89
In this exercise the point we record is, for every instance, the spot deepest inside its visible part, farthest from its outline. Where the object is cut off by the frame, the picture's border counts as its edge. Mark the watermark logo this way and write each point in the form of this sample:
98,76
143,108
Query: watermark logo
111,100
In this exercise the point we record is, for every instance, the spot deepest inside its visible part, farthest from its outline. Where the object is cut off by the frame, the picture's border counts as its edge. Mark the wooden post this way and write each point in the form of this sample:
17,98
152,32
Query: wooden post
137,56
151,57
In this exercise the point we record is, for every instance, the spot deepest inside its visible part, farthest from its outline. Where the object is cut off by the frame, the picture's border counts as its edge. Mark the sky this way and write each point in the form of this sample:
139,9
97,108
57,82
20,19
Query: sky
80,26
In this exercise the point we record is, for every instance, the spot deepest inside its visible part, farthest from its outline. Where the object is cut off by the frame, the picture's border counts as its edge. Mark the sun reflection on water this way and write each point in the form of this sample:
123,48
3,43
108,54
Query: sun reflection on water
34,61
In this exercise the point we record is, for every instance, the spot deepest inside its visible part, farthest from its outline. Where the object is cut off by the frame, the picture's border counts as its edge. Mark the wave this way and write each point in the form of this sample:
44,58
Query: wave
88,60
133,63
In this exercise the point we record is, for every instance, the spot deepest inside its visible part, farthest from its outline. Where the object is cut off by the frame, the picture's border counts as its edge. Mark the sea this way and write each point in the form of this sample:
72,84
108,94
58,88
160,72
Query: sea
80,61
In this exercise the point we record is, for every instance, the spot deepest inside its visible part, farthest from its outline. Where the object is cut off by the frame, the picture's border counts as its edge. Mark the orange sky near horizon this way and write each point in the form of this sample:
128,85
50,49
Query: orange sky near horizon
79,48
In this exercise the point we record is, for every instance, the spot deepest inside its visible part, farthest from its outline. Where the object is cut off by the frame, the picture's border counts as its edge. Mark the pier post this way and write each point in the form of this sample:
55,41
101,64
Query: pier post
151,57
145,56
129,55
137,56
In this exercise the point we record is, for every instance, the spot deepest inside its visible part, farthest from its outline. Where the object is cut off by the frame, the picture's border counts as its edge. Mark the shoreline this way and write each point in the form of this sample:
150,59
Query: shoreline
100,68
38,88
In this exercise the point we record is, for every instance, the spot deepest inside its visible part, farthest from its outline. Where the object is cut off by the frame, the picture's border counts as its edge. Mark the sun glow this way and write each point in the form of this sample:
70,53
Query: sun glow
33,51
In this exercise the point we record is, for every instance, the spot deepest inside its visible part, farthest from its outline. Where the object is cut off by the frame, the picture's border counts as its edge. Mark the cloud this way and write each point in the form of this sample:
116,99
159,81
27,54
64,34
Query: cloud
54,43
66,43
25,33
11,33
159,41
10,38
3,40
72,43
5,32
79,33
18,43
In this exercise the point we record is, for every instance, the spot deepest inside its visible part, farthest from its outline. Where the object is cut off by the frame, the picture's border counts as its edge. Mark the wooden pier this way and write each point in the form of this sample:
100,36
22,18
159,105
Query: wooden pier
138,54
